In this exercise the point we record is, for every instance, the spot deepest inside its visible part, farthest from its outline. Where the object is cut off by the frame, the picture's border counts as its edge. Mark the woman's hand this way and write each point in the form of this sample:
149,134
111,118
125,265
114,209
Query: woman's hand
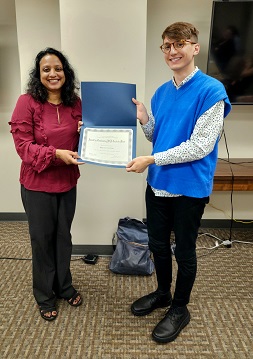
80,123
69,157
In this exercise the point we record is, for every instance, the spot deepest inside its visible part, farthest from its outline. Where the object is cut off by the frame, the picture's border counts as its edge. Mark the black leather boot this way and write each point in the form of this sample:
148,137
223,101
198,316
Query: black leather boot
150,302
171,325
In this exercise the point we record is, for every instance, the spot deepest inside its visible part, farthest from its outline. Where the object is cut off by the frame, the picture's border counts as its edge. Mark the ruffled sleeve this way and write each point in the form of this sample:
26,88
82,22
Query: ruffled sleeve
39,156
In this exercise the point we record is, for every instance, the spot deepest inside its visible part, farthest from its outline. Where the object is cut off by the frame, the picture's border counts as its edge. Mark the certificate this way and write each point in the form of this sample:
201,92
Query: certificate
108,134
107,146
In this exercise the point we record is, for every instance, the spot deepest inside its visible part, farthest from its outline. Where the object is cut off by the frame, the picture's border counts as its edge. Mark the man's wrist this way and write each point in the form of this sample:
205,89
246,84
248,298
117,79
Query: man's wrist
151,160
143,121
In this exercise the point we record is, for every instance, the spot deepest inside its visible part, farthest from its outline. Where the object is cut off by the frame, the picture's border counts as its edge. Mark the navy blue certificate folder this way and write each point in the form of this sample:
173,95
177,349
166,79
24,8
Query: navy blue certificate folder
107,106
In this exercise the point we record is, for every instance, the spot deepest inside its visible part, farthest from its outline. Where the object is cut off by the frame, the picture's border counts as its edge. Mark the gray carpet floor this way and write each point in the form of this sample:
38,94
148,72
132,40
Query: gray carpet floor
103,327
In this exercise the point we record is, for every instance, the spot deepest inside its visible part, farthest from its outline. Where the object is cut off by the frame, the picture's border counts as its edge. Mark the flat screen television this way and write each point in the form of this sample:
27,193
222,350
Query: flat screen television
230,55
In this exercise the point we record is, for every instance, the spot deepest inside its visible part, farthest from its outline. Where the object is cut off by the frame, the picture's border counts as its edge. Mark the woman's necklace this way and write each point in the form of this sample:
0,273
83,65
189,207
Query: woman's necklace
57,110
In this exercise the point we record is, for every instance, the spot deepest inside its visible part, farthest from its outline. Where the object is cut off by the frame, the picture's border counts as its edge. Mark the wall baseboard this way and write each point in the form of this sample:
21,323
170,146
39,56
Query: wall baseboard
107,250
13,216
205,223
83,249
243,224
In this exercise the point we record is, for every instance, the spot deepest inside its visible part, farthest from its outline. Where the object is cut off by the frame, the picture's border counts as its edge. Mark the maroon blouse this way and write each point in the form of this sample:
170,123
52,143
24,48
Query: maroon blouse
38,130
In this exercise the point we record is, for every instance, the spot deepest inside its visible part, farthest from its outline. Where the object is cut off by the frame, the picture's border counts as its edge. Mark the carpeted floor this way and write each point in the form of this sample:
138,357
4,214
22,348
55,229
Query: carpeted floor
103,327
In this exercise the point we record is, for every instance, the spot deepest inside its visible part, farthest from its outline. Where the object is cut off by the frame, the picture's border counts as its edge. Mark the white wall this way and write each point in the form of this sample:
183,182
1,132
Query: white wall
26,27
9,90
106,40
38,27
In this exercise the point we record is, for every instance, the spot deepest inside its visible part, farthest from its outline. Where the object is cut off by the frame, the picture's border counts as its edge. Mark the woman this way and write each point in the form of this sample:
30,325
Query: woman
45,125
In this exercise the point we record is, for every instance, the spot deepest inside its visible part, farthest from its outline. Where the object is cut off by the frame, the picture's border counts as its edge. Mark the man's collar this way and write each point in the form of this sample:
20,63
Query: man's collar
186,79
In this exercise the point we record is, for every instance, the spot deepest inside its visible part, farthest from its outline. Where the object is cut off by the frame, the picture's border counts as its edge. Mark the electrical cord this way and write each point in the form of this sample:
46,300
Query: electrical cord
228,242
17,259
235,220
219,242
29,259
222,242
232,177
76,259
232,189
225,243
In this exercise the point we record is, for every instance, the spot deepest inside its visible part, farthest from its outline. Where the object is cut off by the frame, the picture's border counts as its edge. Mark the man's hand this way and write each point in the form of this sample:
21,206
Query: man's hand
139,164
142,114
69,157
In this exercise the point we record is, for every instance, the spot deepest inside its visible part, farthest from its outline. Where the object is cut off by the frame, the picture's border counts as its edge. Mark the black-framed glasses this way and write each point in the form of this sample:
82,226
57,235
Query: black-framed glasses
178,45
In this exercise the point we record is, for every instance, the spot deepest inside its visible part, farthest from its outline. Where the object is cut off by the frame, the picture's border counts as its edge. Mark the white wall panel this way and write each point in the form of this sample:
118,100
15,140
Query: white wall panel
106,41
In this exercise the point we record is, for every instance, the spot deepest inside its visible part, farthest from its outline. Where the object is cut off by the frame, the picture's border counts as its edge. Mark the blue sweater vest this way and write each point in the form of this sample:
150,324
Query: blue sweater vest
176,112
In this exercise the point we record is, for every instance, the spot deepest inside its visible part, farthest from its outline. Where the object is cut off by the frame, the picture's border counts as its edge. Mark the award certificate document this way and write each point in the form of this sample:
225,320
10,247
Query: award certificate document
107,146
108,134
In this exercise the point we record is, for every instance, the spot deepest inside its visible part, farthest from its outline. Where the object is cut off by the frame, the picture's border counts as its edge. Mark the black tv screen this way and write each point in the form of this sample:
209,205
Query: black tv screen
230,57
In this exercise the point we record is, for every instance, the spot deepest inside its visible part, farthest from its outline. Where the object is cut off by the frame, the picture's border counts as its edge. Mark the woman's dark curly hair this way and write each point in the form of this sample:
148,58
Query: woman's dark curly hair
69,91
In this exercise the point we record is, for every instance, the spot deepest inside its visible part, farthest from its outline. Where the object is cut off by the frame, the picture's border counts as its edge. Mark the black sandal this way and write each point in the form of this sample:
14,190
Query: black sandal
73,298
49,318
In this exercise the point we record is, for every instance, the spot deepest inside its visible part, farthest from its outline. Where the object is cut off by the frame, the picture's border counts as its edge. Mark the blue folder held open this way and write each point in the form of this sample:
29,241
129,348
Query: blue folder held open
108,134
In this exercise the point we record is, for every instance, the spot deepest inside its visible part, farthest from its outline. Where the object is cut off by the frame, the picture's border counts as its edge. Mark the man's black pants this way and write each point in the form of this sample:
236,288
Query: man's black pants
181,215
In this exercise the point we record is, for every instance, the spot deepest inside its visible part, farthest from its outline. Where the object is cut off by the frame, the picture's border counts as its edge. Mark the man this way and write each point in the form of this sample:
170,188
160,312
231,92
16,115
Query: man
184,126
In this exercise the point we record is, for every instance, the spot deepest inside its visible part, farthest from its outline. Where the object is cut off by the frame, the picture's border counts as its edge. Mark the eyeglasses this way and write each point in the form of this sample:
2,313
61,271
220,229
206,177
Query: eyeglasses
178,45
